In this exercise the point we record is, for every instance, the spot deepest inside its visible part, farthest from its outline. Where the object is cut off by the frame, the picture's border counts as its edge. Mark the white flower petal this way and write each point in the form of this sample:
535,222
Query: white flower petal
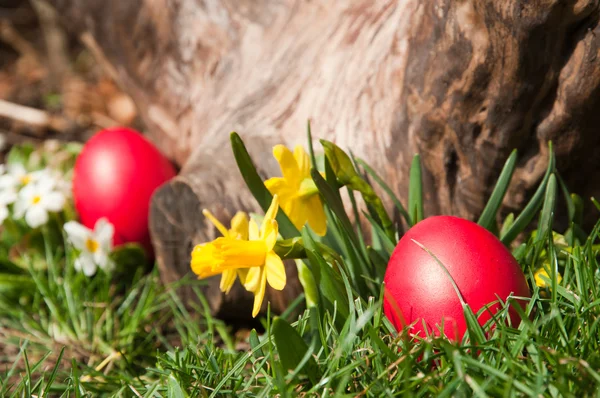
77,234
20,208
101,258
88,265
36,216
77,264
45,182
109,266
103,232
3,214
53,201
28,192
8,181
17,170
8,196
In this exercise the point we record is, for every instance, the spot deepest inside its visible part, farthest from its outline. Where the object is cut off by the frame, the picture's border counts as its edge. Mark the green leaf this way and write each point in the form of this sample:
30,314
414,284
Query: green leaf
290,248
488,216
347,175
8,267
330,284
19,154
311,150
415,191
545,224
307,280
13,283
386,189
293,351
341,164
508,222
578,203
174,390
387,243
568,198
334,202
257,186
378,261
129,256
255,344
533,206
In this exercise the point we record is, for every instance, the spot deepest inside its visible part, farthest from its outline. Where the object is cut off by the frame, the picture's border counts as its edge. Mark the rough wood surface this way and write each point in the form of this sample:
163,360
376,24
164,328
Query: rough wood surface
461,82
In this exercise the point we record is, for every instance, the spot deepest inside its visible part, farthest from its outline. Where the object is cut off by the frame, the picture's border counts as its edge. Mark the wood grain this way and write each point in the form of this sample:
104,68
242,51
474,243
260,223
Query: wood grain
460,82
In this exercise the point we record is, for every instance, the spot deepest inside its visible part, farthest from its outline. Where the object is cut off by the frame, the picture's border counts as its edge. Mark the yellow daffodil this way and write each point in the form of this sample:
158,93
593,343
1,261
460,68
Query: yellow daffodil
542,277
254,257
297,192
238,230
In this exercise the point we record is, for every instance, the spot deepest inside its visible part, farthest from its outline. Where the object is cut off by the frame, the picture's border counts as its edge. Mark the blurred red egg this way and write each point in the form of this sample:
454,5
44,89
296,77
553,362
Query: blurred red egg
417,289
114,177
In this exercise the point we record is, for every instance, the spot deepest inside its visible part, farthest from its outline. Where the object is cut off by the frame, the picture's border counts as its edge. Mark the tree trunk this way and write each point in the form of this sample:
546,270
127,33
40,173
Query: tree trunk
460,82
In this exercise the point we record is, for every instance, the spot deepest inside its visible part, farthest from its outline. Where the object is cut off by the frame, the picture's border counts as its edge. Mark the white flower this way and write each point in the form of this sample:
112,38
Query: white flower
95,246
37,199
18,176
3,213
6,197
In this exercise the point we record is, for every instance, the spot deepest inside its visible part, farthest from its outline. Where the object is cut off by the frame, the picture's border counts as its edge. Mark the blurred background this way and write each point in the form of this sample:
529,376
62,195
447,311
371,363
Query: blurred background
51,88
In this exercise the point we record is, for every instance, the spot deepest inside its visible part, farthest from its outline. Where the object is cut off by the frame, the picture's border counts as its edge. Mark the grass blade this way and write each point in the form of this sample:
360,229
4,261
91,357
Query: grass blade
488,216
385,188
532,207
415,191
293,350
546,216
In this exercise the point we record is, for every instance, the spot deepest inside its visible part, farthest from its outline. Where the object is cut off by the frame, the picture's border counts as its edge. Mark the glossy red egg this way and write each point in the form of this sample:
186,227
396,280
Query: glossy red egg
417,289
114,177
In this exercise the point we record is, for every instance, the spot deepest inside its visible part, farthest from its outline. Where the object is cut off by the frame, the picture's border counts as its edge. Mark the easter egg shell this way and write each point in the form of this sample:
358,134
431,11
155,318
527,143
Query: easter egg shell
418,289
115,176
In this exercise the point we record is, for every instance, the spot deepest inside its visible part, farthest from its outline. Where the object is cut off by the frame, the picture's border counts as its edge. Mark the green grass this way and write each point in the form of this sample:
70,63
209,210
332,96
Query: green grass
63,334
75,336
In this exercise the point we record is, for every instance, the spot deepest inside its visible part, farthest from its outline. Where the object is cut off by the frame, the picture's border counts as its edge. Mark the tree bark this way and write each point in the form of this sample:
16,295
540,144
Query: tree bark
460,82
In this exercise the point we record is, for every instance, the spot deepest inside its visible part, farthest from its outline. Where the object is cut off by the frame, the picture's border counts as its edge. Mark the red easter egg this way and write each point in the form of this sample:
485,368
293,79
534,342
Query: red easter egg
115,176
418,289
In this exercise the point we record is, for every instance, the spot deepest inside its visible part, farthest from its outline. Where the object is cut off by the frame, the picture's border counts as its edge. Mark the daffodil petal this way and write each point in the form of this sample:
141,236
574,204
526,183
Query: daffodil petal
215,222
239,226
302,160
293,209
275,271
276,185
253,279
253,233
242,273
270,234
315,215
259,295
227,280
271,212
287,164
